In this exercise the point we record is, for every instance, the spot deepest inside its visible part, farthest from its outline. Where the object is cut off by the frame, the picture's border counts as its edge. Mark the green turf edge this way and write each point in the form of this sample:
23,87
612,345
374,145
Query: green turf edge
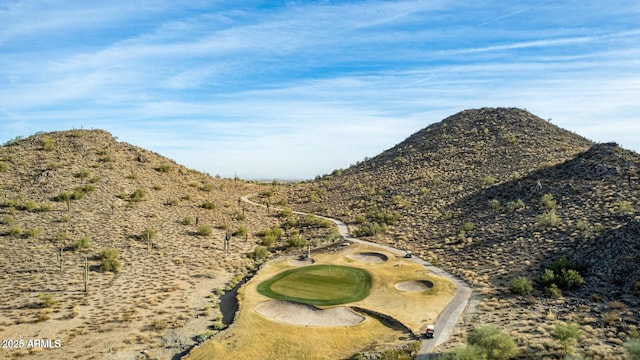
361,292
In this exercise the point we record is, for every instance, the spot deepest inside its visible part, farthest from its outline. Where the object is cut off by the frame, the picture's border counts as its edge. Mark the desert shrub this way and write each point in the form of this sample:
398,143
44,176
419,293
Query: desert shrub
498,345
46,207
29,205
624,207
46,300
285,213
394,354
137,195
48,144
384,216
548,219
7,219
83,174
132,176
164,168
241,231
186,221
260,253
521,285
204,230
83,243
297,242
171,202
487,181
3,166
512,206
616,305
471,352
15,230
554,291
33,232
468,226
493,203
208,205
548,202
110,260
240,216
370,229
204,336
567,334
633,349
581,225
563,274
217,325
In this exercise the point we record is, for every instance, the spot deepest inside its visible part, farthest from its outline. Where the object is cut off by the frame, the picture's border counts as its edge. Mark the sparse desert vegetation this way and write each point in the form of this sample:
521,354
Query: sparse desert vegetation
540,221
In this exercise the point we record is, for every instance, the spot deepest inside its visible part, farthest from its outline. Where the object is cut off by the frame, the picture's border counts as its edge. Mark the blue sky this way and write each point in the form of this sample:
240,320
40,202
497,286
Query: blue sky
295,89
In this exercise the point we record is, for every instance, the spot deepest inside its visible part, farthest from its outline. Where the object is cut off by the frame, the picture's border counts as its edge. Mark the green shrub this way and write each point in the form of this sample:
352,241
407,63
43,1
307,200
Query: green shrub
46,300
370,229
297,242
15,230
83,243
164,168
487,181
468,226
208,205
471,352
187,221
260,253
521,285
204,230
548,219
512,206
110,260
137,195
633,349
49,144
567,334
554,291
33,232
7,219
624,207
493,203
548,202
498,345
241,231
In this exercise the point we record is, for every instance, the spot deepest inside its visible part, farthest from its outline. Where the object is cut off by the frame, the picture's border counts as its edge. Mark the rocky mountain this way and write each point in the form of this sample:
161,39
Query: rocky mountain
66,197
495,193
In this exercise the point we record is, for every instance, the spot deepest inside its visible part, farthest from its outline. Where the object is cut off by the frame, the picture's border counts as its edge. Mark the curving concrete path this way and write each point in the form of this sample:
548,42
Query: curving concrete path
450,314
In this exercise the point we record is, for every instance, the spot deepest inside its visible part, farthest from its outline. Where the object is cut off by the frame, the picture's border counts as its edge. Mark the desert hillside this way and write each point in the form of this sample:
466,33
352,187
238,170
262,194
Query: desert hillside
495,193
79,192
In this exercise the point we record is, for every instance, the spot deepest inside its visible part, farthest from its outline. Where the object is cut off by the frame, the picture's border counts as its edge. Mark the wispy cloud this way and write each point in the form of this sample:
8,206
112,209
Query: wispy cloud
317,84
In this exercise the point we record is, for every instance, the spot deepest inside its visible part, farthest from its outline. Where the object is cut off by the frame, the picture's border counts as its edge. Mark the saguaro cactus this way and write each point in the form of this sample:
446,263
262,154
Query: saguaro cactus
60,256
85,275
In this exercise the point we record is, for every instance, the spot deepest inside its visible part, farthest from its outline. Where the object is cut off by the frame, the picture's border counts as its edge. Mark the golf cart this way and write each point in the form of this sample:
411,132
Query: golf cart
430,331
408,254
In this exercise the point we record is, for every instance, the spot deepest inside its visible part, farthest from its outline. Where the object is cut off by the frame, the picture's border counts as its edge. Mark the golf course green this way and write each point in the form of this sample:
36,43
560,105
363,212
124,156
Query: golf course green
321,285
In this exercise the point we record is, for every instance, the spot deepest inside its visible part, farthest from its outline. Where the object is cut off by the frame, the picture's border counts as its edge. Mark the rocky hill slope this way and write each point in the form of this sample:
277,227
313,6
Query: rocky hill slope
84,192
495,193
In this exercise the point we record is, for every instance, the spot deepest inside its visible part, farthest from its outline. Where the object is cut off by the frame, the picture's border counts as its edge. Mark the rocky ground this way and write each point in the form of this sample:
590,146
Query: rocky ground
491,194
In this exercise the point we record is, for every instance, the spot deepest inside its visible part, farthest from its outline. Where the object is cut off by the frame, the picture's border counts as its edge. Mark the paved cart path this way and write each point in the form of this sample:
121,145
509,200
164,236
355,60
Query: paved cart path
451,313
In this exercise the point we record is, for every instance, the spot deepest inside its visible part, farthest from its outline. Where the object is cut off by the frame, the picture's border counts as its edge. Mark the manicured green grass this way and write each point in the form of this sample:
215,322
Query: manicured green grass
322,285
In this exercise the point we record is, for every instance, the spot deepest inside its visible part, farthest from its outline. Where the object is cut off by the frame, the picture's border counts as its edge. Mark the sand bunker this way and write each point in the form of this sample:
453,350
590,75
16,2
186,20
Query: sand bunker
414,285
369,257
303,314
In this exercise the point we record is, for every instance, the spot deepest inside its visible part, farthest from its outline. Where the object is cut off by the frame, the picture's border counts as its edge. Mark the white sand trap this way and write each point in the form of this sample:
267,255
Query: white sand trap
369,257
414,285
303,314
